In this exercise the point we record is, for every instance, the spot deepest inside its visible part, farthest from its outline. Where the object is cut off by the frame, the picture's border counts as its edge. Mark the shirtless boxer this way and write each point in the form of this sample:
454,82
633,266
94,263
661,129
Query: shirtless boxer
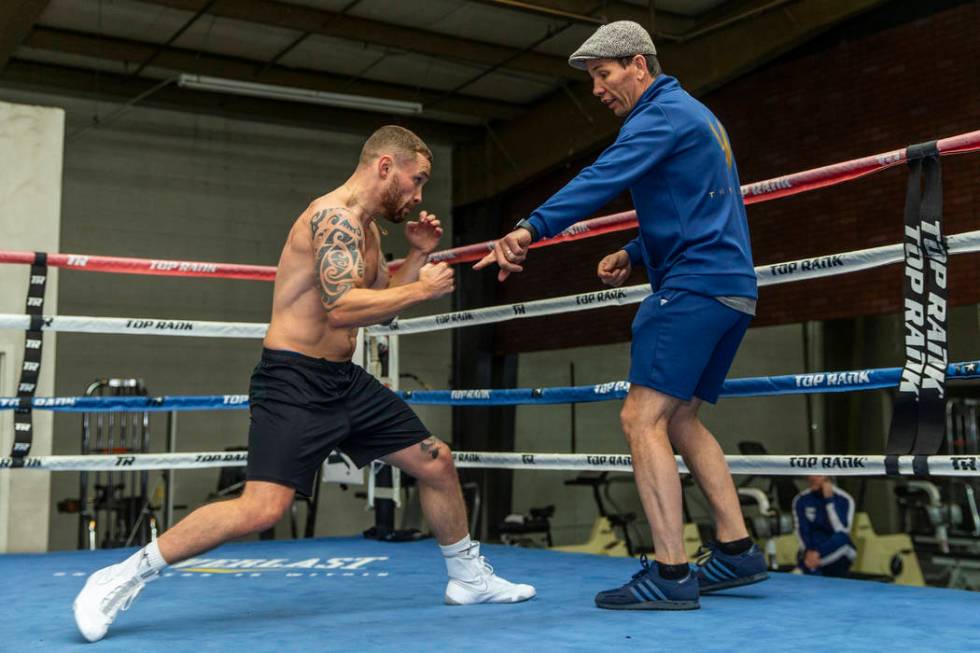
307,397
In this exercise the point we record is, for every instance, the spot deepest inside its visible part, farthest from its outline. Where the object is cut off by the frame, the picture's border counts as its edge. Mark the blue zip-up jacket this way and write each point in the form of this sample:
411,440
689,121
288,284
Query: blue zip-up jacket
824,525
674,157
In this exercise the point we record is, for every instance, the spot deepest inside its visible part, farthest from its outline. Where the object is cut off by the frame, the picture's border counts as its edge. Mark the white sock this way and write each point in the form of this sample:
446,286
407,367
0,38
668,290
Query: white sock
453,550
147,561
459,564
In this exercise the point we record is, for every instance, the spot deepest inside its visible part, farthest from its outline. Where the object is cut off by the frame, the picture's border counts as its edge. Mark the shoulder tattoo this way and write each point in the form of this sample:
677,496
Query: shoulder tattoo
337,241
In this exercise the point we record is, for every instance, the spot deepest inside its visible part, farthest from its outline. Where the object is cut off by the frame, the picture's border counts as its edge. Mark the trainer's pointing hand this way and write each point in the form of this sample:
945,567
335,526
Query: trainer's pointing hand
508,253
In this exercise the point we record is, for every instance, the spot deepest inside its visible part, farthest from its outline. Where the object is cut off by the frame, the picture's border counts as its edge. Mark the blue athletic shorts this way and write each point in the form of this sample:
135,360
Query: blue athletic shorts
684,344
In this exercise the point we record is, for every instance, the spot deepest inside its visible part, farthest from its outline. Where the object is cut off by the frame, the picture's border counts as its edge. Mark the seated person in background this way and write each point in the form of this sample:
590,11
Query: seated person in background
823,514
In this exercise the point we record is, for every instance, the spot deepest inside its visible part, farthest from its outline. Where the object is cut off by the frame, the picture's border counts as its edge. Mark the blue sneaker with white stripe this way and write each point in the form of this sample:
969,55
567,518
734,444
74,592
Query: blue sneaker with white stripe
648,591
717,570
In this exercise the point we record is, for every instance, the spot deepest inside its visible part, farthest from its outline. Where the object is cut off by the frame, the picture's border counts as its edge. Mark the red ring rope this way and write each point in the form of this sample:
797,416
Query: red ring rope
762,191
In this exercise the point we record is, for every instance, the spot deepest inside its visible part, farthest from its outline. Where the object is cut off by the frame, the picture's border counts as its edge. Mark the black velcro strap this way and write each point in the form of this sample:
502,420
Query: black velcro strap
891,465
920,465
931,431
30,370
23,432
35,290
922,150
918,418
905,412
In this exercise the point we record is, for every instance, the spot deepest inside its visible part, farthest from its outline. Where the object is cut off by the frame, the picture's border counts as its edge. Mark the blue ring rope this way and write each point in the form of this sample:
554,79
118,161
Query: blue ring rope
788,384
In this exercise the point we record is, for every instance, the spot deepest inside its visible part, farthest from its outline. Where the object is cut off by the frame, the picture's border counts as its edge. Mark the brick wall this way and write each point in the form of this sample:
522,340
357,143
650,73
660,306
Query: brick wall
878,83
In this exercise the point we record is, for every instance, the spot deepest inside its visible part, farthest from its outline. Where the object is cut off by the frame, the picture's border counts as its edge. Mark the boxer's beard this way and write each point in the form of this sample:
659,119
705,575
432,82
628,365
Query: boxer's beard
391,206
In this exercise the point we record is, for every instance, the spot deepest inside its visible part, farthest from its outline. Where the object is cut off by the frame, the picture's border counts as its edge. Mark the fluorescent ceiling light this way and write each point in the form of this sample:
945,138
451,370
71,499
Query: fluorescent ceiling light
342,100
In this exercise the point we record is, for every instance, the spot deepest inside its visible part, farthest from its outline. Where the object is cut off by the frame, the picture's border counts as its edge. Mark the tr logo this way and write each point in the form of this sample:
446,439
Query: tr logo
722,139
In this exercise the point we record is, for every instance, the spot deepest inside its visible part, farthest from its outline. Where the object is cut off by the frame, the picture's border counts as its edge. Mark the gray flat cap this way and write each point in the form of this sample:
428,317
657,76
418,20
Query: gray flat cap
622,38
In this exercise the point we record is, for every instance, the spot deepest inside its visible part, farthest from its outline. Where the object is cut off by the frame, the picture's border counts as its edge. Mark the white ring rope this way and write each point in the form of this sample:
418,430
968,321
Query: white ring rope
803,269
820,266
137,326
801,465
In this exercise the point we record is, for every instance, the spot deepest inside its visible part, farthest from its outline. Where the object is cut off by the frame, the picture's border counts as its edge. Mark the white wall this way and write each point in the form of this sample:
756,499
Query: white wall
31,139
164,184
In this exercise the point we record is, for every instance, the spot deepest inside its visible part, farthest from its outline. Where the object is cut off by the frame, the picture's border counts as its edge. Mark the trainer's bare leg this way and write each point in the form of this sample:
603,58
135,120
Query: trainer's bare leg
258,508
431,463
706,461
645,416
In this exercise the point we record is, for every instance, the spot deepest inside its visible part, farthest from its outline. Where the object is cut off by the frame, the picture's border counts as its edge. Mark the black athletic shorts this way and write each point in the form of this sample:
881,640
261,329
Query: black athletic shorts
303,408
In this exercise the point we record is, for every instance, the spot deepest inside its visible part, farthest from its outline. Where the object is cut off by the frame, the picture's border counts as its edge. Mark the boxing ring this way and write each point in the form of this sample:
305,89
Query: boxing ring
358,594
352,594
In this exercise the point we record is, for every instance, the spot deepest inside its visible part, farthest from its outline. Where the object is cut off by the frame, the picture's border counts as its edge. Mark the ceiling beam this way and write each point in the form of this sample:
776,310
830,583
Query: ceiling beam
560,127
17,17
354,28
667,23
80,82
542,11
191,61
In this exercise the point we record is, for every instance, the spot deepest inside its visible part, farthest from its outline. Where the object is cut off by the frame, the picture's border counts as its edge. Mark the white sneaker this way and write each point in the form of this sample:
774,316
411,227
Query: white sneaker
483,585
106,592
